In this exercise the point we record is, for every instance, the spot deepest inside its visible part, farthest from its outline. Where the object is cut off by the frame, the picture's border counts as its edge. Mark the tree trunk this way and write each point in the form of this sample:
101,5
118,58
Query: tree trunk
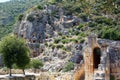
23,71
10,72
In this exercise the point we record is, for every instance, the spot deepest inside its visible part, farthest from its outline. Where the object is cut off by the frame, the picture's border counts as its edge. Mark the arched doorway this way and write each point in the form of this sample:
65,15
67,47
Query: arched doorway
96,57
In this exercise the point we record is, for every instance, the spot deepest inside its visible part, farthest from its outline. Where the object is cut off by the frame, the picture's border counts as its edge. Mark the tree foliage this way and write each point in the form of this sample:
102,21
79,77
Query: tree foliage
14,51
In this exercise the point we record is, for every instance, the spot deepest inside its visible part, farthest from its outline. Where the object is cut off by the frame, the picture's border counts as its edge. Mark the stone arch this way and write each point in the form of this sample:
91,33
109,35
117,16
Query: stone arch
96,57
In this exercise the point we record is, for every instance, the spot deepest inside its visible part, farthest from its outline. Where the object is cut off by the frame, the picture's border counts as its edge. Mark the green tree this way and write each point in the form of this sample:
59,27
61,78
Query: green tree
36,64
23,53
14,51
22,63
7,48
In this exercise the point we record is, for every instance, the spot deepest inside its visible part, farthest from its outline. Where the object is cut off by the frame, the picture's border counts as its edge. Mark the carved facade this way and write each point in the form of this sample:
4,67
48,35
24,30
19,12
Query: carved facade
34,34
96,60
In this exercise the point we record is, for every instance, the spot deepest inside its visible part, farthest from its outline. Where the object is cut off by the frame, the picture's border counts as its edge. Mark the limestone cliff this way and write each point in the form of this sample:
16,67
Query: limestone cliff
40,28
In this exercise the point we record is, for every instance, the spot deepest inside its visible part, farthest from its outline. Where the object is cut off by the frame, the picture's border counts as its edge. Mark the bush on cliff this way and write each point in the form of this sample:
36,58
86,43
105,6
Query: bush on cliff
69,66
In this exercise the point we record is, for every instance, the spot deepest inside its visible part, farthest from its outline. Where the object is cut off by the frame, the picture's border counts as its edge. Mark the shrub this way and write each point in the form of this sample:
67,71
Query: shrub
5,69
79,26
57,40
65,41
59,46
110,33
46,44
40,7
82,34
82,40
30,18
96,12
64,48
20,17
37,45
63,37
59,33
52,46
69,66
101,20
92,24
36,63
76,41
84,17
76,32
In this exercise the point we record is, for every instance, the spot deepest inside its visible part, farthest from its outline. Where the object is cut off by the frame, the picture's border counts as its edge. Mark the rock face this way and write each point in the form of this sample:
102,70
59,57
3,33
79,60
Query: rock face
77,54
54,60
114,57
39,25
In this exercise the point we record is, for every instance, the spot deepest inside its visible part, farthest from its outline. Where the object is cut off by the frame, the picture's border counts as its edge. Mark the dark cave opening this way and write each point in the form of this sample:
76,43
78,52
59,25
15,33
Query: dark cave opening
96,56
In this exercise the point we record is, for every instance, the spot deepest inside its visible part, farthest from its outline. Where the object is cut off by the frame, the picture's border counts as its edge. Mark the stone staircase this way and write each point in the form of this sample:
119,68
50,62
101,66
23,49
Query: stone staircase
99,75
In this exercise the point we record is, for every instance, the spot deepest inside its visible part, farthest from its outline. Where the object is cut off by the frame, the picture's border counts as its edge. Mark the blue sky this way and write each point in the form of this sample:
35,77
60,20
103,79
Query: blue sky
4,0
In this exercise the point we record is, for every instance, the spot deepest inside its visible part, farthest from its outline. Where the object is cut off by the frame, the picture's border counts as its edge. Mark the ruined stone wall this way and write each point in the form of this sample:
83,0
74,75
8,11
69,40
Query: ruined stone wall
89,57
88,60
42,76
79,73
96,60
114,53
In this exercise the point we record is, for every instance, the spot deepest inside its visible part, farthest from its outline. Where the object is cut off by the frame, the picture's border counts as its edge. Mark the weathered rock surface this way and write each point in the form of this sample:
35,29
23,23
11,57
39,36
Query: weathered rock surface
43,26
